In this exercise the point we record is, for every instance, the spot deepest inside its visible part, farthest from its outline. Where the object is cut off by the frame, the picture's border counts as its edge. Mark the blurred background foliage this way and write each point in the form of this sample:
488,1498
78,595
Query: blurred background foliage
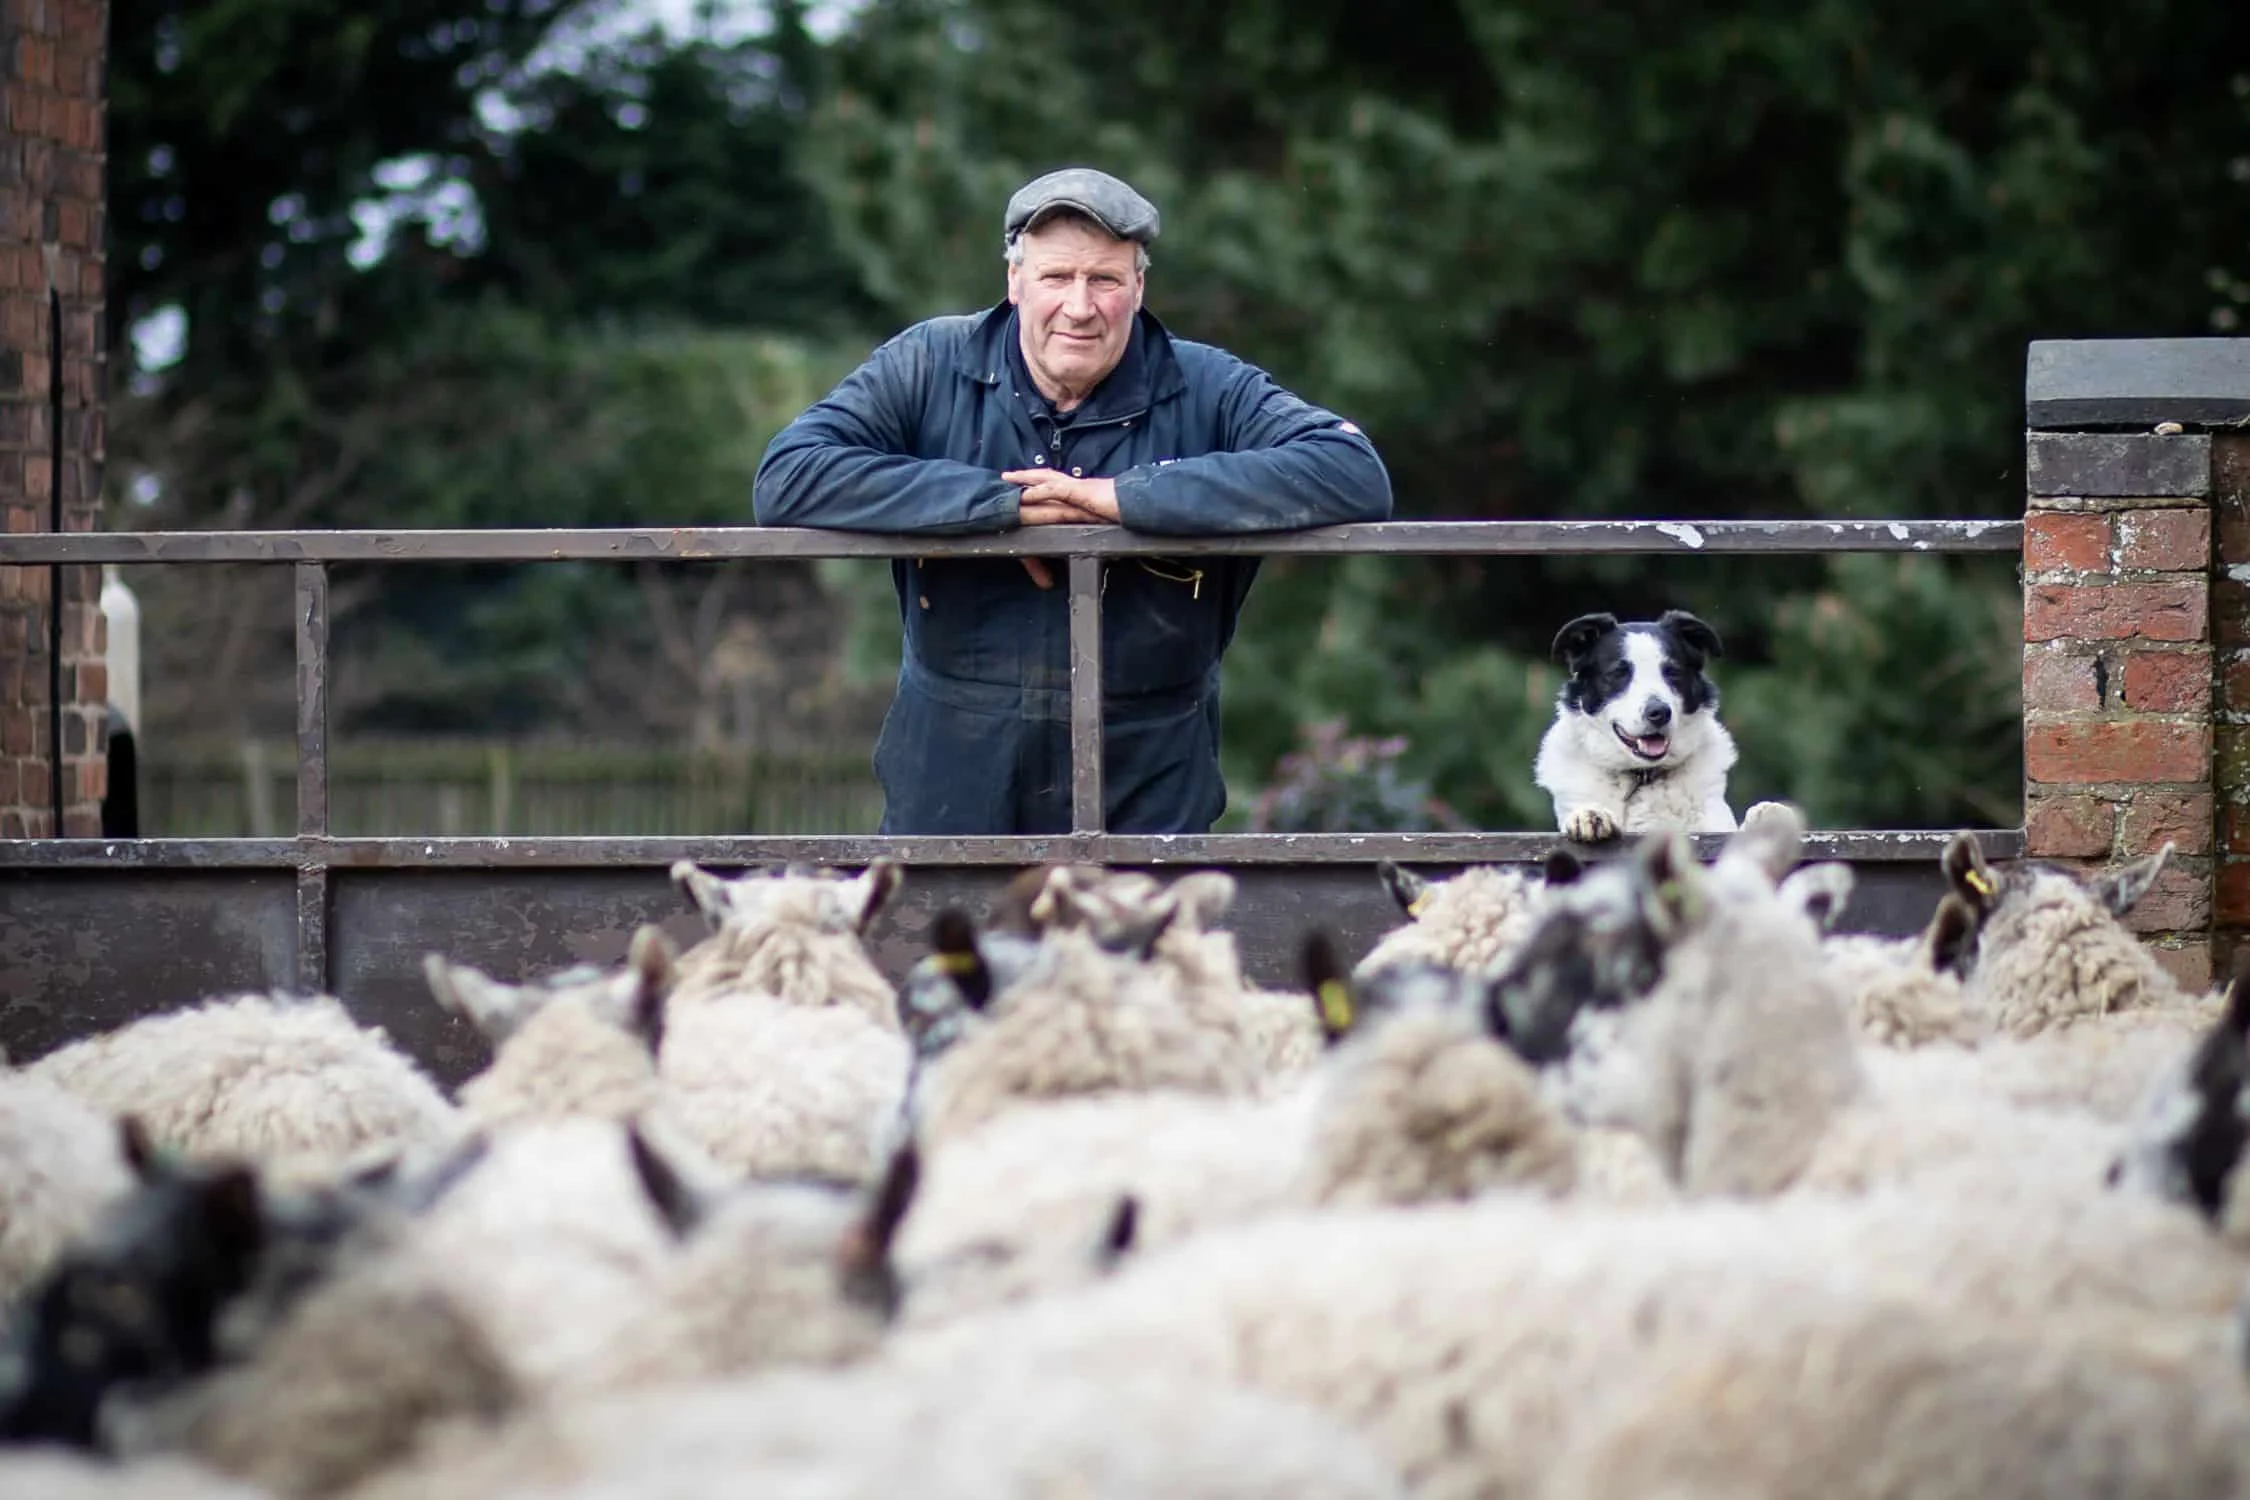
571,262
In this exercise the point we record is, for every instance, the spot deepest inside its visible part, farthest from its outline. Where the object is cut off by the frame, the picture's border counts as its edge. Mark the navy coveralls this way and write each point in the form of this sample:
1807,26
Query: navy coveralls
977,739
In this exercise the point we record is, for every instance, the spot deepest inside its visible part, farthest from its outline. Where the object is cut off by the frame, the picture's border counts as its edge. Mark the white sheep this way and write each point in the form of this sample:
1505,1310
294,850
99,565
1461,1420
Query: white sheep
60,1474
1471,921
979,1430
284,1081
1836,1396
60,1167
580,1042
794,934
2049,948
1078,1020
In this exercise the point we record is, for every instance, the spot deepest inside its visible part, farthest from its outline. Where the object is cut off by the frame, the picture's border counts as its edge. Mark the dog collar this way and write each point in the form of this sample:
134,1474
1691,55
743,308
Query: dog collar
1643,780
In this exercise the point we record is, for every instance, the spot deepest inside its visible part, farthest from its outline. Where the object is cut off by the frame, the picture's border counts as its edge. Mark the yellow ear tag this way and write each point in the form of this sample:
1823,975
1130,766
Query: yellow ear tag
1335,1005
1414,907
956,964
1979,882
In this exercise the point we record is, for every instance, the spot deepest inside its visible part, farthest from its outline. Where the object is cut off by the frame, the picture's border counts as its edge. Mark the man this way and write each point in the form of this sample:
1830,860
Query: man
1066,404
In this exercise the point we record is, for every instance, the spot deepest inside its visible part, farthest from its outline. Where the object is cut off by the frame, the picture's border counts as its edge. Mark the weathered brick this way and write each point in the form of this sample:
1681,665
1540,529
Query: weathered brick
2160,611
2168,682
19,731
92,777
2234,829
2179,900
2174,540
2153,818
2188,963
8,781
36,787
2059,682
16,825
2145,750
2068,827
2057,541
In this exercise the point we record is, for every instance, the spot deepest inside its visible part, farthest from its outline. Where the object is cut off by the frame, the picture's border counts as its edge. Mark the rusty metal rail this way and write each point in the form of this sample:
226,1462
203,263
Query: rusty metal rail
313,853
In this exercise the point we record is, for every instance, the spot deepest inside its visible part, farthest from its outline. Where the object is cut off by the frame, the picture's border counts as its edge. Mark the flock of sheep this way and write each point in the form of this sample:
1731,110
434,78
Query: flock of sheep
1636,1178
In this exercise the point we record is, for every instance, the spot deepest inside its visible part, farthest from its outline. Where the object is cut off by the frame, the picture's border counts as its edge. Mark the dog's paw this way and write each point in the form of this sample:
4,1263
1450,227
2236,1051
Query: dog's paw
1589,825
1780,814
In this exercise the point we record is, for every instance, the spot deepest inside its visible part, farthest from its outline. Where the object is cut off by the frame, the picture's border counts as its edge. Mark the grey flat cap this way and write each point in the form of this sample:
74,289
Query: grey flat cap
1098,195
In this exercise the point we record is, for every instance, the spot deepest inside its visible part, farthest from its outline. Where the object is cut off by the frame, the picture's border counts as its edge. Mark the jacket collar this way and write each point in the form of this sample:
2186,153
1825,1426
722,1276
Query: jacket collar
1148,373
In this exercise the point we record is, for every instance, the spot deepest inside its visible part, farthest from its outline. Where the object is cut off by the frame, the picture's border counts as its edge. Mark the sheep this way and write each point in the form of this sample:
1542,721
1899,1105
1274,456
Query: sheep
1417,1102
60,1165
1172,926
766,1273
1470,921
1361,1312
1741,1067
794,934
57,1474
1840,1397
287,1082
2049,949
987,1429
1078,1020
784,1051
581,1042
2189,1139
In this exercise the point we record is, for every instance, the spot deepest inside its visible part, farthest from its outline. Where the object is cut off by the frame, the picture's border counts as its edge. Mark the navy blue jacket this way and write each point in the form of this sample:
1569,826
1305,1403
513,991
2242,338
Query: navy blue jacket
1199,442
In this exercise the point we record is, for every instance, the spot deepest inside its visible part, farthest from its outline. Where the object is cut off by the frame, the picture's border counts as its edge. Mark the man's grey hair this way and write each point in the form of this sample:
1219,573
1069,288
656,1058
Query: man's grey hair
1013,250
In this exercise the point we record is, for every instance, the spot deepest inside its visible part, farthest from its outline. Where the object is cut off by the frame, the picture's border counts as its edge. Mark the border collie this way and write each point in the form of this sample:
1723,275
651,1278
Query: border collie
1636,743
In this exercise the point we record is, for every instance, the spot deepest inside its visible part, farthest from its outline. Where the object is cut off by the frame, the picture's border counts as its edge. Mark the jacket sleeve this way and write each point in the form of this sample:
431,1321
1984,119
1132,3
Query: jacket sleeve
1283,463
847,462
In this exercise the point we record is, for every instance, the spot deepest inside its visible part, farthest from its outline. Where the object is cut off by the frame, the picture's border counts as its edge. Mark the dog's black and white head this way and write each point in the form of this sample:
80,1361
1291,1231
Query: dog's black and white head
1641,686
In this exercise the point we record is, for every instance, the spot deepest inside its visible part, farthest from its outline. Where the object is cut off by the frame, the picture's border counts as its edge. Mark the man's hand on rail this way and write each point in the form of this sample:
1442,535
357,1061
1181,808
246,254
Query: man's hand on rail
1053,498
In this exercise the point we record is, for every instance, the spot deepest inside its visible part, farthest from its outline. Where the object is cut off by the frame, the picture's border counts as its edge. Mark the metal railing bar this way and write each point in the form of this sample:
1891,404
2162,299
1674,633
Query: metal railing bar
1087,813
312,774
691,543
1900,846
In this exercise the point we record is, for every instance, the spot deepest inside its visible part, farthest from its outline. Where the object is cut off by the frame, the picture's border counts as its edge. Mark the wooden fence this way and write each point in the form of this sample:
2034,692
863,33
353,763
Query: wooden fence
447,788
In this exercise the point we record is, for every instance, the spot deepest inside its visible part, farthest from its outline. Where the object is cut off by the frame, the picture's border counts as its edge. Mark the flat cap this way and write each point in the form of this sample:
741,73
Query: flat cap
1101,197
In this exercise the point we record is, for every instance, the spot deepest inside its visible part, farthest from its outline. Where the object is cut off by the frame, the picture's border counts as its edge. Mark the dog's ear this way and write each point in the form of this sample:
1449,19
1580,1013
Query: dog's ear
1691,632
1562,867
1577,638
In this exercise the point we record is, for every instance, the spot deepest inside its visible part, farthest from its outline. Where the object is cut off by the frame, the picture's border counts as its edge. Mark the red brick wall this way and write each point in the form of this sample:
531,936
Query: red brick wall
2118,680
52,60
2230,505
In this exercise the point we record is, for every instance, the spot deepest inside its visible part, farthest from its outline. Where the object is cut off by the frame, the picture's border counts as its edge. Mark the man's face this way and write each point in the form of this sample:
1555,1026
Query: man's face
1076,293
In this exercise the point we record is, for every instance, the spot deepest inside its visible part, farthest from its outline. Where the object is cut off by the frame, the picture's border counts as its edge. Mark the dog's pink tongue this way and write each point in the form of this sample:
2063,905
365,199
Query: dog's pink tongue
1652,745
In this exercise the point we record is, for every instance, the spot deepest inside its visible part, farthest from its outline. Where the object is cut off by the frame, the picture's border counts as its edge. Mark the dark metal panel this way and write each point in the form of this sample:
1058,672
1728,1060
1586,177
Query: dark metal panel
686,544
1086,811
2136,383
83,951
2118,464
1910,845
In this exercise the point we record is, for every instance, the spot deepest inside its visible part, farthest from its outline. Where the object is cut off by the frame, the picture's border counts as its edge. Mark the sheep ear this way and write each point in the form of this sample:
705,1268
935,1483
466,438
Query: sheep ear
1562,867
1772,838
425,1192
1137,937
870,1275
651,961
1950,941
709,893
1119,1234
1967,873
495,1009
2121,888
871,892
1331,990
1575,639
1408,889
678,1206
1204,896
1820,891
1013,910
953,943
139,1151
1672,884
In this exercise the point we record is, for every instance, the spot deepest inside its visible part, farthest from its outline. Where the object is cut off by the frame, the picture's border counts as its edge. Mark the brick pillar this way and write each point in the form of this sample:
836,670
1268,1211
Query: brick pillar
2117,669
2230,503
52,182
